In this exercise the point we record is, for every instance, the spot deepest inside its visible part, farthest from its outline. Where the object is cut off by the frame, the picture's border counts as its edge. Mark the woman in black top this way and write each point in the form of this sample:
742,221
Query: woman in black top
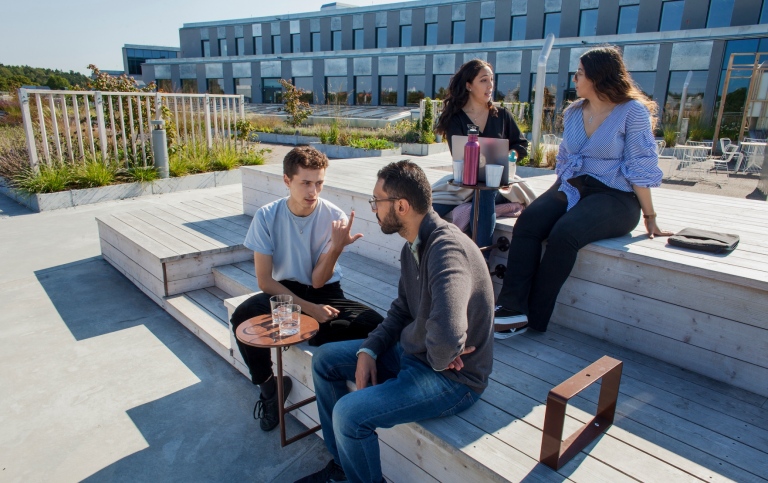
470,102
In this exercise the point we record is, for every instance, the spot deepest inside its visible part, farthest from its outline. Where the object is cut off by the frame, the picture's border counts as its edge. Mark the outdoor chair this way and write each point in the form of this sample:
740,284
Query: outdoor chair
730,154
723,143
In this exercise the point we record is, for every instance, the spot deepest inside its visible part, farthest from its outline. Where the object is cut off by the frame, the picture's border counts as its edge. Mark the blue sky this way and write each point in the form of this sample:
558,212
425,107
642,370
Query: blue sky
69,35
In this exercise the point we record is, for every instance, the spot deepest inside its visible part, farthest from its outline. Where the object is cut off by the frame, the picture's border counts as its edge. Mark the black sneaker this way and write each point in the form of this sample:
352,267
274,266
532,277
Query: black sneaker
331,473
266,410
507,323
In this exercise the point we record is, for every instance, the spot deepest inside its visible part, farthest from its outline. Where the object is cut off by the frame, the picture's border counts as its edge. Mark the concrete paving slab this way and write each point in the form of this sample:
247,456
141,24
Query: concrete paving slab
98,383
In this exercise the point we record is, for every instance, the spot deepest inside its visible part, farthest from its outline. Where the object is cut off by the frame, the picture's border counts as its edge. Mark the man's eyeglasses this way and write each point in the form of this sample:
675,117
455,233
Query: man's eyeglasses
373,201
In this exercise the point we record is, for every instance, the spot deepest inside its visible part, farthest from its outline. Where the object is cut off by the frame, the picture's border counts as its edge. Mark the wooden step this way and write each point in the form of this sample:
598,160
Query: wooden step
203,313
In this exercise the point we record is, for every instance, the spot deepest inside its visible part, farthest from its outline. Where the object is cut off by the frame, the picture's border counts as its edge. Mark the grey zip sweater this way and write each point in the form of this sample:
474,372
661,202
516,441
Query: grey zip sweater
444,304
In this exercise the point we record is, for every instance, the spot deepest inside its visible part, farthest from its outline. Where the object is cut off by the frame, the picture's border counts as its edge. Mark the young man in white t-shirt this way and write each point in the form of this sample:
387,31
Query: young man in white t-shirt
297,241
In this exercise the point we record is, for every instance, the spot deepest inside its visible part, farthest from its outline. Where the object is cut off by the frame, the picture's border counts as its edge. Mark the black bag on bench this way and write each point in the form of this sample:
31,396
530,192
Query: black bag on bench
704,240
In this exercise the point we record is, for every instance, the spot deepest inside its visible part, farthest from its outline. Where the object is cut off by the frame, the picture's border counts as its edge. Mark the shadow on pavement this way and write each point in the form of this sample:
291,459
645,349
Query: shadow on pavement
204,432
9,208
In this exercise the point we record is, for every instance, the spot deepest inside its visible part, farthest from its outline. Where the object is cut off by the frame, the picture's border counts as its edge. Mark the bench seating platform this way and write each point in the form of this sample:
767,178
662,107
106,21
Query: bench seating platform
671,423
703,312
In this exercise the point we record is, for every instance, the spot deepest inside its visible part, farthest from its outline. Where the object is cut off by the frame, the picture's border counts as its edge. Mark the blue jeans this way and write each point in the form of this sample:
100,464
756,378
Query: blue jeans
486,220
408,390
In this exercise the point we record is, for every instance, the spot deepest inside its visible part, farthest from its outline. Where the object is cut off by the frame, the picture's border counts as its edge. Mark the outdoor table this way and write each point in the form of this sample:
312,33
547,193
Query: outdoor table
503,243
689,154
753,152
261,332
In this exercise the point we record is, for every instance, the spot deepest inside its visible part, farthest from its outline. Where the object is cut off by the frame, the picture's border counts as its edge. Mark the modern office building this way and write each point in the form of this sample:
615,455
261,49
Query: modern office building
135,55
395,54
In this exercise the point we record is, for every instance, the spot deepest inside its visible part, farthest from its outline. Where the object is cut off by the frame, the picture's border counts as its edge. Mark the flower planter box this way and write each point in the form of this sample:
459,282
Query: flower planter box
292,139
416,149
333,151
68,199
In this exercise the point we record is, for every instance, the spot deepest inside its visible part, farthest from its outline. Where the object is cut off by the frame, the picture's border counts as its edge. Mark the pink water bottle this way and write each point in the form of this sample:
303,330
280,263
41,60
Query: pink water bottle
471,157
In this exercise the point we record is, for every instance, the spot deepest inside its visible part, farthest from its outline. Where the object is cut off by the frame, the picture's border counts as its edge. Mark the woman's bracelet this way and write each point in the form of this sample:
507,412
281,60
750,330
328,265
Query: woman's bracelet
652,215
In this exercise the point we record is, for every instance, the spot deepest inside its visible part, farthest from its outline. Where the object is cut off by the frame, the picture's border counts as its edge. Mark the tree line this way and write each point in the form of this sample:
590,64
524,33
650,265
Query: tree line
14,76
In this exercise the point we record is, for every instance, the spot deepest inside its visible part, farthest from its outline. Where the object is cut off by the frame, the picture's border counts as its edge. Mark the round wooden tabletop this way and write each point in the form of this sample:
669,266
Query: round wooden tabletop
261,332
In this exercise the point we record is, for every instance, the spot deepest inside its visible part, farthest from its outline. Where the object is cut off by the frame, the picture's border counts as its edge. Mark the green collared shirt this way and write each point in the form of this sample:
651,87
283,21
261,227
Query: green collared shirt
414,247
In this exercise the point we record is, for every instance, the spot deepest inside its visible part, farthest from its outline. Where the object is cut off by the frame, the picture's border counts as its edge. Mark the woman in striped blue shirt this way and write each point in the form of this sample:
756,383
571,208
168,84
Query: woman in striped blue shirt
606,165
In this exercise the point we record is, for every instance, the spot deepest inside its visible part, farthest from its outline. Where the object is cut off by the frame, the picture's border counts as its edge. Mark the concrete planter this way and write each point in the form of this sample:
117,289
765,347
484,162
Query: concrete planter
292,139
416,149
68,199
333,151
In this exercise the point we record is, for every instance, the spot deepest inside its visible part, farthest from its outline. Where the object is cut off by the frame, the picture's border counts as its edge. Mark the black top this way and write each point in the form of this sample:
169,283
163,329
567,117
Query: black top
501,126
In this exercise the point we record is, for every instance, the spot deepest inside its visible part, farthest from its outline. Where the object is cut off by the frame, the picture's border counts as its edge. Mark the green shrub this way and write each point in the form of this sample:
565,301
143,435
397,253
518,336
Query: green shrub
48,179
539,156
669,131
297,109
93,173
253,157
371,143
224,158
140,174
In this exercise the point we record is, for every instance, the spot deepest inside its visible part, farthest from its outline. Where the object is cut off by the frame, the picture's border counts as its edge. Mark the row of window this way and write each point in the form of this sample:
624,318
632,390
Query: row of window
136,57
670,19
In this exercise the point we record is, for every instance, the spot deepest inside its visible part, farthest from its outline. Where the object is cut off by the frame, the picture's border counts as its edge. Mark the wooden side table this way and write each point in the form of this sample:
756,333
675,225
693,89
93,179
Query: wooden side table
261,332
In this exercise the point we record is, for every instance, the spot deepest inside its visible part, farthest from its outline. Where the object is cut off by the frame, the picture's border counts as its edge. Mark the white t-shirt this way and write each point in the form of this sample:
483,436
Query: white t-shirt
295,243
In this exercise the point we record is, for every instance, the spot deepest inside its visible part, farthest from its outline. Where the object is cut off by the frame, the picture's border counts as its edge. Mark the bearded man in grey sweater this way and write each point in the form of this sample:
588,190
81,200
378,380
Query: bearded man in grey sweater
433,353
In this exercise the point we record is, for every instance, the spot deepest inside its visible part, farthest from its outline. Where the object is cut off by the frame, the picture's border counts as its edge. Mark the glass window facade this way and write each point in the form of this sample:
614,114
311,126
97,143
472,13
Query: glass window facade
441,82
189,86
388,90
414,88
381,37
315,41
258,46
405,35
359,35
693,102
336,90
136,57
240,46
430,34
487,28
164,85
552,24
550,91
306,85
645,81
671,15
206,48
271,91
336,36
295,43
242,86
720,12
223,47
738,84
215,86
588,23
764,12
628,19
276,47
518,27
457,32
363,90
507,87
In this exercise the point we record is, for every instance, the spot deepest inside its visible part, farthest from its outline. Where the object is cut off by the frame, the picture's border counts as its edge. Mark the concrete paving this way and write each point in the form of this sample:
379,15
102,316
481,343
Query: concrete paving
98,383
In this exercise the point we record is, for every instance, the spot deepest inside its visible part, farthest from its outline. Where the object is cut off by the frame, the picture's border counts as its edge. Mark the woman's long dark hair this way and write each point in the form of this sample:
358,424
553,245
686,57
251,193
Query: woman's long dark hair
604,66
458,95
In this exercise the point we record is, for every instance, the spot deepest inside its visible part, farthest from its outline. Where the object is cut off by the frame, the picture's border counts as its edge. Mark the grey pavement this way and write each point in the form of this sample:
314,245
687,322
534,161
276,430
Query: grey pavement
98,383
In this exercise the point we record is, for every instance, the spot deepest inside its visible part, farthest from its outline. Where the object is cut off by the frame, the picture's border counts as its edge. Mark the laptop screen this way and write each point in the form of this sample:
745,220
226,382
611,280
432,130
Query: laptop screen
492,151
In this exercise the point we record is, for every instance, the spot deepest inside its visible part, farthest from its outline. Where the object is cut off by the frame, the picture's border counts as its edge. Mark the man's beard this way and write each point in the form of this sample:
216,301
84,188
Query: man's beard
390,223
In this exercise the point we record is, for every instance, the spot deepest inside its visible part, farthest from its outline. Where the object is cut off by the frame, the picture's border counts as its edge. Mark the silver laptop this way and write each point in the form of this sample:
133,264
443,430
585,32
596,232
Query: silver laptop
492,151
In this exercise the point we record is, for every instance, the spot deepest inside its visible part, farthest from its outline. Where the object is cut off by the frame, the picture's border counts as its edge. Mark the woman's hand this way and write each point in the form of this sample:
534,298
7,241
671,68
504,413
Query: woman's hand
653,229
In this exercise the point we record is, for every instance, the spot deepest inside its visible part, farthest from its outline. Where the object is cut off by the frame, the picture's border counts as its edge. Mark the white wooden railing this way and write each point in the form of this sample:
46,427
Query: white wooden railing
59,125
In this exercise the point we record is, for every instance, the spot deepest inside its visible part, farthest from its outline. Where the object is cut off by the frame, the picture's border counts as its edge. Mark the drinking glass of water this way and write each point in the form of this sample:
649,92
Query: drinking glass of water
275,302
290,319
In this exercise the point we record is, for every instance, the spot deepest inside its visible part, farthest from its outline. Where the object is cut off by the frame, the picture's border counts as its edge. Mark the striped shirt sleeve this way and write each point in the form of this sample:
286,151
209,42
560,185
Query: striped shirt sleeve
641,162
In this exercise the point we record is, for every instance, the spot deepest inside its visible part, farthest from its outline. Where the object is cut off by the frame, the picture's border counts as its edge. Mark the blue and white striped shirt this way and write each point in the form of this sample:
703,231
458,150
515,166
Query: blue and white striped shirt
620,153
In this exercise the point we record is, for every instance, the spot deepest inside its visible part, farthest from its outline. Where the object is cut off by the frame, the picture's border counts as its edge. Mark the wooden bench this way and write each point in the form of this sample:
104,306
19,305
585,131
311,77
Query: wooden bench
703,312
671,424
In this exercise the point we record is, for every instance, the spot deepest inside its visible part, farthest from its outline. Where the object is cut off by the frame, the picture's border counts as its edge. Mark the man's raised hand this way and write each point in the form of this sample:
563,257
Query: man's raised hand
340,234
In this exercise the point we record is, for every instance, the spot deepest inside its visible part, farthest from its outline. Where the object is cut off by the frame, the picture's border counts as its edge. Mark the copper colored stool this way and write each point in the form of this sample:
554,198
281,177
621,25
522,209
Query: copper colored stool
554,453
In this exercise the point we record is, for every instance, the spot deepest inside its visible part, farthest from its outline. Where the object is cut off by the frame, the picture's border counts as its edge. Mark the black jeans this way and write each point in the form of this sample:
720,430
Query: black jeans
362,319
532,282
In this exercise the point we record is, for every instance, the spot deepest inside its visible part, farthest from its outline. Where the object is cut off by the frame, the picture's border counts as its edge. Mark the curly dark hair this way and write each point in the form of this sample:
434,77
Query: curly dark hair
604,66
458,95
405,179
303,157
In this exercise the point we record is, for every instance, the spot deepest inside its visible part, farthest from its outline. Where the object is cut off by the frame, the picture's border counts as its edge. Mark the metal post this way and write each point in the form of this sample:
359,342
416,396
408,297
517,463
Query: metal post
538,104
683,99
26,120
207,105
159,147
99,101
